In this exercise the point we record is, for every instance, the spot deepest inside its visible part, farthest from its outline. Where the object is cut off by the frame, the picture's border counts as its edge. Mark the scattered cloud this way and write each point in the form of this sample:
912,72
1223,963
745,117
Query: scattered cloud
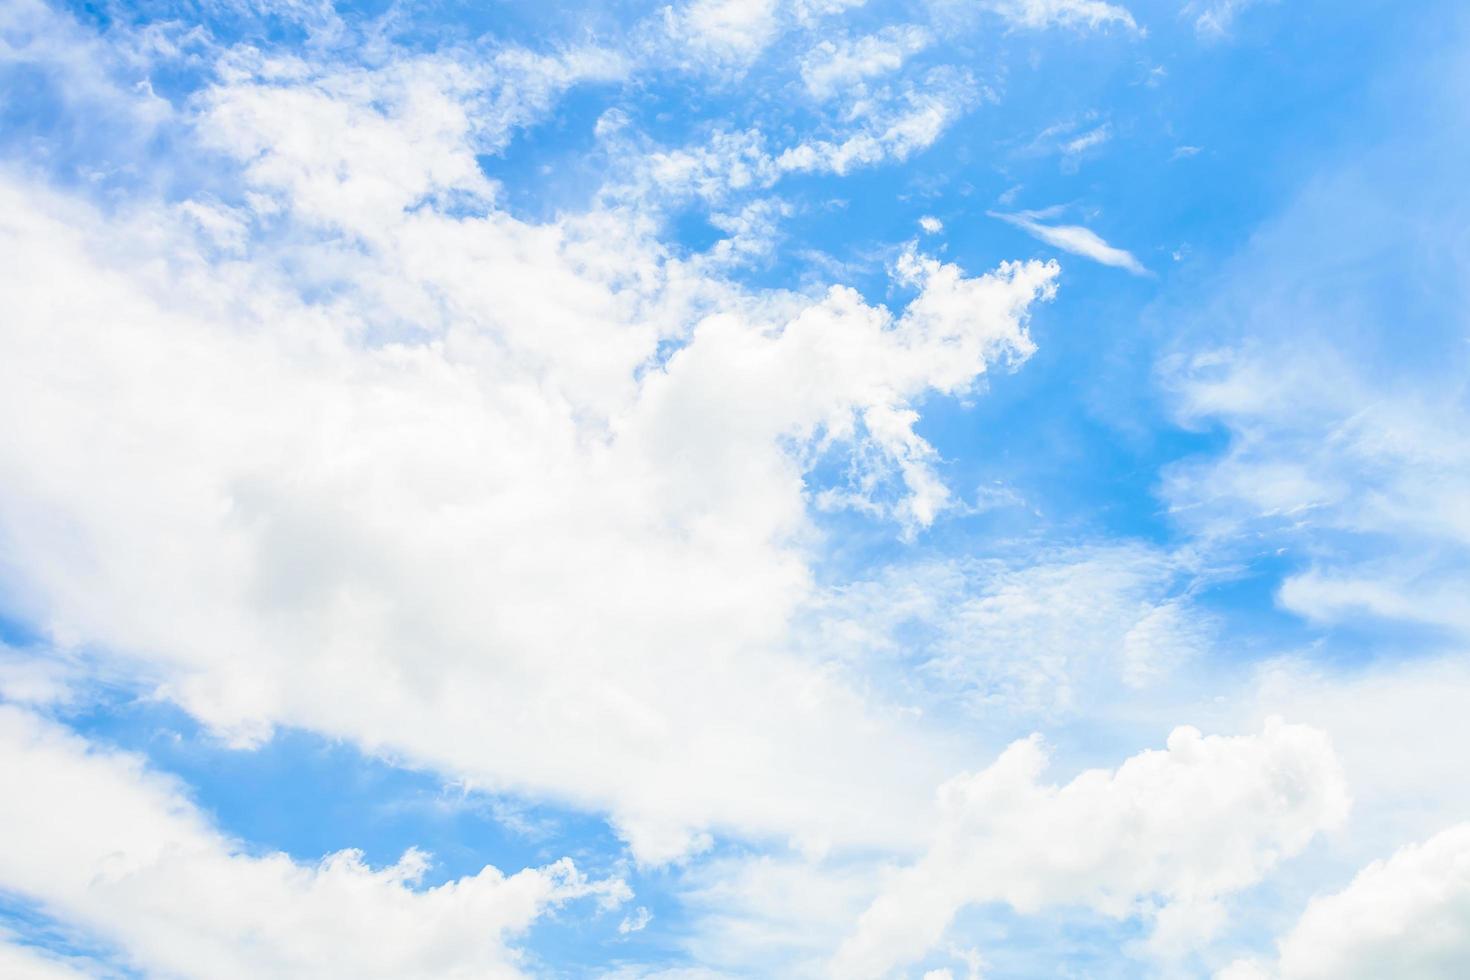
1074,239
732,32
1073,140
1041,635
497,427
636,921
1086,141
834,66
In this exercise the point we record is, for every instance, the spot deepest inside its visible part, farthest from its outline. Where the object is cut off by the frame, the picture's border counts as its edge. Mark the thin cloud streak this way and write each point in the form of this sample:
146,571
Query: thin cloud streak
1074,239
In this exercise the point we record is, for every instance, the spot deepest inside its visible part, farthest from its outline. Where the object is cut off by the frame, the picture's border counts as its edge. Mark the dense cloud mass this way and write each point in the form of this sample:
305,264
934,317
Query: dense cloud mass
344,535
726,489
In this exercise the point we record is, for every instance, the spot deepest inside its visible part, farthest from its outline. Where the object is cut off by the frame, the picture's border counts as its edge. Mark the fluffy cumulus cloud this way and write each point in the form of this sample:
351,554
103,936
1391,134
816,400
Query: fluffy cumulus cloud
383,442
592,410
1407,916
105,845
1175,828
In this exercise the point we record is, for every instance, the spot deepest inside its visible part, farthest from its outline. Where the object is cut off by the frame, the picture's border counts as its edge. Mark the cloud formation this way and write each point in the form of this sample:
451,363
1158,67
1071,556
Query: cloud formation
1066,13
1406,916
474,424
1167,832
102,843
572,413
1074,239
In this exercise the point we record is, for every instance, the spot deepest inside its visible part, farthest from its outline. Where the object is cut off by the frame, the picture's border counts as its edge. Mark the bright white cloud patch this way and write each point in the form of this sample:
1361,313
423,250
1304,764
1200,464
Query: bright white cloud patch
727,30
835,65
1182,827
468,439
1076,240
582,419
1407,916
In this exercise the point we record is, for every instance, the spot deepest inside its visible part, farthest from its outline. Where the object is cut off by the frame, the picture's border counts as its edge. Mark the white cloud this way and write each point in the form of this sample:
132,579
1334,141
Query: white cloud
98,77
635,921
1214,18
1075,239
1347,452
750,232
1407,916
26,678
1380,717
1386,721
1319,449
1049,633
104,845
398,436
1073,141
728,31
764,914
834,66
889,124
22,962
656,973
1167,831
1083,142
389,463
931,225
1066,13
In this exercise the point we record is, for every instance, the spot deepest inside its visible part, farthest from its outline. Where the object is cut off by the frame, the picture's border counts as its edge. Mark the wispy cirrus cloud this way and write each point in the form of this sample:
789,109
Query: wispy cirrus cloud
1214,18
1075,239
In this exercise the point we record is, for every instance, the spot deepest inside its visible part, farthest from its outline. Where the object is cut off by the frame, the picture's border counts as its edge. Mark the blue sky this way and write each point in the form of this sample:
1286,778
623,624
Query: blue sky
739,488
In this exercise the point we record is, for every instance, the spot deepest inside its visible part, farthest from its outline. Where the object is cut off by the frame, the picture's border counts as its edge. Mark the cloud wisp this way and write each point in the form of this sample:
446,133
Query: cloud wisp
1075,239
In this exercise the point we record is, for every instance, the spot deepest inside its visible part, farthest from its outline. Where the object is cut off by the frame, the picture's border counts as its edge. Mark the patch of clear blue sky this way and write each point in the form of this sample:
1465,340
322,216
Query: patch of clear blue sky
1081,431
